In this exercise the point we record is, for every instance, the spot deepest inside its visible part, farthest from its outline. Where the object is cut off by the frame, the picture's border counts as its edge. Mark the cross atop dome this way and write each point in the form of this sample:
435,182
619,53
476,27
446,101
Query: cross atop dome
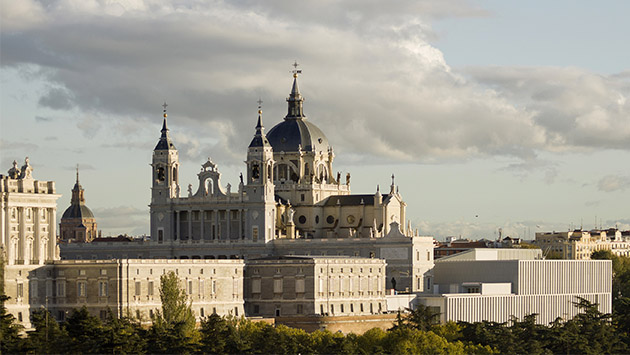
295,70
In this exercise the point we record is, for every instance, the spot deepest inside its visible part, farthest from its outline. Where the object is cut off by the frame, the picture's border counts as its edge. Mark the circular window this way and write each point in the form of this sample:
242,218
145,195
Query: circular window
316,219
302,219
319,140
350,219
330,219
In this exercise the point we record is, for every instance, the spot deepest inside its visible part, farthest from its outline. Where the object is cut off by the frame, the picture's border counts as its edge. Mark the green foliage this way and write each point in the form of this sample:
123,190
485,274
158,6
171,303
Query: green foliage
85,332
174,327
123,335
10,340
48,337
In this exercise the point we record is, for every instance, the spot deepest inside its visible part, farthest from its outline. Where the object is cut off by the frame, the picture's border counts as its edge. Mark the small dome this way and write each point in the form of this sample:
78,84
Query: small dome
77,211
288,135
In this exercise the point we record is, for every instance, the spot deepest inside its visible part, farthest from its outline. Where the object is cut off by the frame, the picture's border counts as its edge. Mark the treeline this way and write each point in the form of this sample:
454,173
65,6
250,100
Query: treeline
413,333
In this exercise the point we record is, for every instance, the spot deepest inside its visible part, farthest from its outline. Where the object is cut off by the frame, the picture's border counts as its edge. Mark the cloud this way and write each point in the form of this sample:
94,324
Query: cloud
122,220
611,183
483,230
372,80
576,109
40,119
57,98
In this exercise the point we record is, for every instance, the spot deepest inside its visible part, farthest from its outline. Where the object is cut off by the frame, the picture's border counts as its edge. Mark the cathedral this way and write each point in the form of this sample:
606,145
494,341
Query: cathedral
77,222
289,201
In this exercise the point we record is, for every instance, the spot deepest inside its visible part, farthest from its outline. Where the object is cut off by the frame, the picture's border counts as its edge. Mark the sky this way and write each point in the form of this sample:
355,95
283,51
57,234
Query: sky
491,114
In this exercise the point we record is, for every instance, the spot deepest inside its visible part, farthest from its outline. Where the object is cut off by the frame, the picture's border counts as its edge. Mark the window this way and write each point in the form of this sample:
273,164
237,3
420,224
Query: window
341,308
82,272
20,290
61,316
351,307
103,314
160,235
61,289
255,233
201,312
236,311
103,272
256,286
332,309
102,288
138,288
33,289
214,286
428,255
190,287
82,289
277,286
321,309
150,288
256,309
299,286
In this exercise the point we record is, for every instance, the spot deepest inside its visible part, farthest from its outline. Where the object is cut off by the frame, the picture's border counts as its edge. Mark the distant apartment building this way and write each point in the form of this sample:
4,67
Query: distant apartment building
580,244
496,284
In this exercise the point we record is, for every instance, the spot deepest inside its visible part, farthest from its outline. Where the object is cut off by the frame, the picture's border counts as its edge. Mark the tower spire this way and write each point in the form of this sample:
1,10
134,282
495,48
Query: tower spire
165,142
260,140
295,99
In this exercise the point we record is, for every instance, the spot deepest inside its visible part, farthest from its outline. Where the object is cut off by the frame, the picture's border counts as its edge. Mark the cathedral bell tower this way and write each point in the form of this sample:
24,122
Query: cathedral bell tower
164,186
259,184
165,166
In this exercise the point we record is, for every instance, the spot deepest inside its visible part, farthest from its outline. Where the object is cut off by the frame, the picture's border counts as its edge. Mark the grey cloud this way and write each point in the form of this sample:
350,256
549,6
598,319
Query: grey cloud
576,108
122,220
57,99
43,119
371,79
611,183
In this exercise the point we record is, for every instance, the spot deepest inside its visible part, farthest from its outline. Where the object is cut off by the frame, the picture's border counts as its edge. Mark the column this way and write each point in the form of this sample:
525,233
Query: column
52,235
202,212
216,224
37,248
19,252
177,226
227,223
190,221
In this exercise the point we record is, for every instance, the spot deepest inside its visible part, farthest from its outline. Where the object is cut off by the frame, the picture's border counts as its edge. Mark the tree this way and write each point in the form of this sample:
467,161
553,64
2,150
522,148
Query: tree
48,337
85,332
122,335
173,329
422,317
10,341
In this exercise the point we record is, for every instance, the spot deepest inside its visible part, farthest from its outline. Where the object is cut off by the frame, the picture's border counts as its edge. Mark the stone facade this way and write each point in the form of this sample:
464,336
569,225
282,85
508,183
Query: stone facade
28,207
303,286
124,287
